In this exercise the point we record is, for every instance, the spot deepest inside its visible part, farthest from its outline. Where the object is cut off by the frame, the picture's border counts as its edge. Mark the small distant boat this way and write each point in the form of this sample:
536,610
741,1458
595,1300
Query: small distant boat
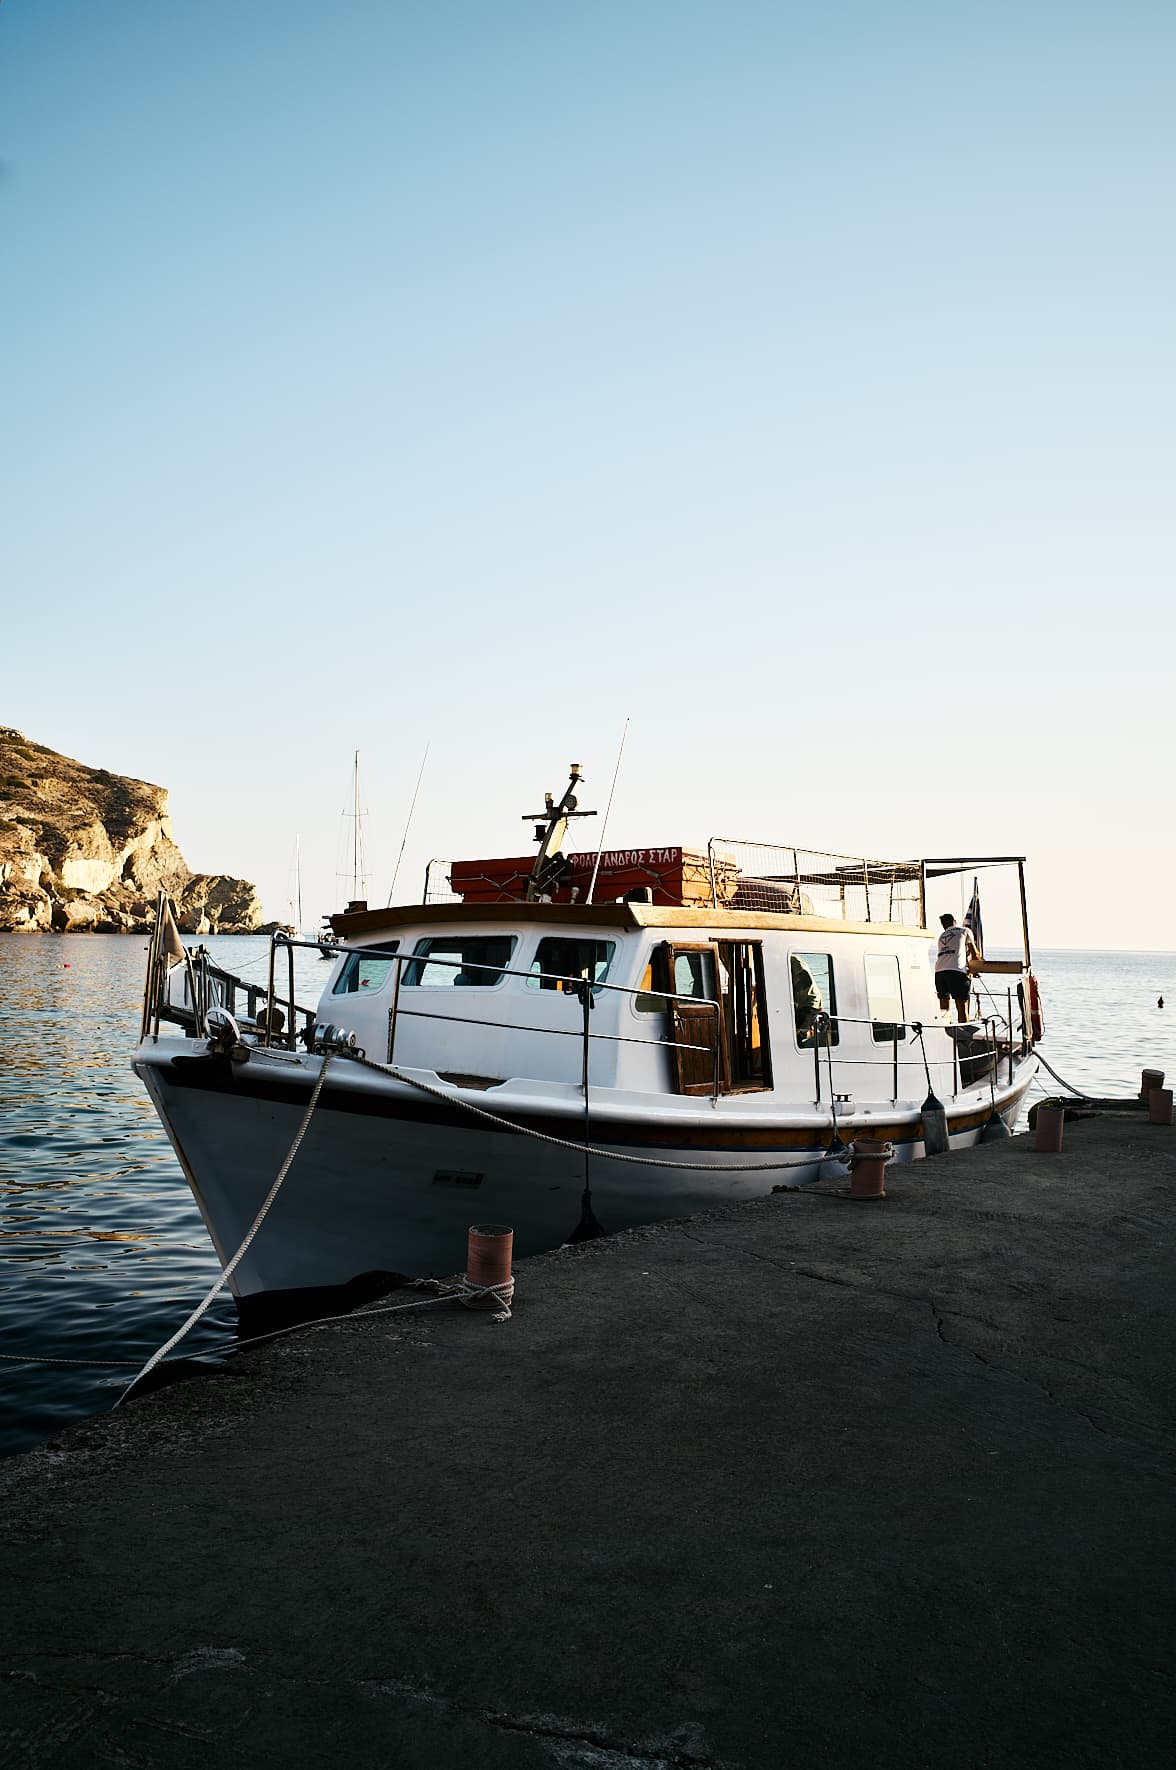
576,1040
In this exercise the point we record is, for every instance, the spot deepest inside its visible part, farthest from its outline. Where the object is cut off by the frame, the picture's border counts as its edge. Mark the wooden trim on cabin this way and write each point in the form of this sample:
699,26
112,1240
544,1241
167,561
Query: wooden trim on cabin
359,923
726,924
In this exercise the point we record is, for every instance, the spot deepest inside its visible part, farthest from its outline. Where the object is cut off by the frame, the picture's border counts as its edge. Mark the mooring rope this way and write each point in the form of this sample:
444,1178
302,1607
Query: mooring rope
1077,1092
458,1292
80,1363
270,1196
464,1291
612,1155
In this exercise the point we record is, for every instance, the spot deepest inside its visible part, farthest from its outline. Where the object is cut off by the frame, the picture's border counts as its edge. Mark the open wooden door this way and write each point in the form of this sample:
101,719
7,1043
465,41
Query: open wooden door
698,1052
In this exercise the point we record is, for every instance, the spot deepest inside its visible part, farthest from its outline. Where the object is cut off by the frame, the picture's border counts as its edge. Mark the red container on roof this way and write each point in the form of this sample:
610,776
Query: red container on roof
674,875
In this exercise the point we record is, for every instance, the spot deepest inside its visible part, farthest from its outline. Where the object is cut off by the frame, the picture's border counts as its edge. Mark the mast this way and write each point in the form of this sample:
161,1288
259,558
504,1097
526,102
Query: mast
358,859
355,834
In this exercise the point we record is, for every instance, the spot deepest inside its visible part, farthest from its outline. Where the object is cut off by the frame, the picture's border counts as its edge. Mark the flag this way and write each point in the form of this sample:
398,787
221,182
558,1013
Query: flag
972,918
169,935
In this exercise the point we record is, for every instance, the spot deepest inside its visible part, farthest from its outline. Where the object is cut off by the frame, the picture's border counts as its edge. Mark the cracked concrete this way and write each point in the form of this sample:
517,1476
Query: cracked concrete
792,1483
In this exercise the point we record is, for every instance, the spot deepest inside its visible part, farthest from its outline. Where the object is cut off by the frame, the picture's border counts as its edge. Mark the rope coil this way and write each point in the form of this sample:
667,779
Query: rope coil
497,1297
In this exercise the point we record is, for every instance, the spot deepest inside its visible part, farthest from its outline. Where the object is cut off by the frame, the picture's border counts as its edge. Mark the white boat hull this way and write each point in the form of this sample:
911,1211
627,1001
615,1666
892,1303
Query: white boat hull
389,1176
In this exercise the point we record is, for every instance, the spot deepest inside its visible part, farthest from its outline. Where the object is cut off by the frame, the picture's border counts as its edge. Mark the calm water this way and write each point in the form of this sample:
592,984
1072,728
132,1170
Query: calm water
102,1251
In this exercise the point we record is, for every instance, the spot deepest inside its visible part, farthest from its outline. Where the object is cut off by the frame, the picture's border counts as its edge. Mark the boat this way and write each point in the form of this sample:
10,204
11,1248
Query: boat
572,1043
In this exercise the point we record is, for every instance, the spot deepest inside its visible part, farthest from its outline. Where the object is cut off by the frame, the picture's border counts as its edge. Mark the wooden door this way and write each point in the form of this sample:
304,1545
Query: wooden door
691,980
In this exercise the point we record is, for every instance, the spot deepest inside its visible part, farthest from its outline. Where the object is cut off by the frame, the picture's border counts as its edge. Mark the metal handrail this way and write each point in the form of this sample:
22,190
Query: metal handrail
575,984
202,969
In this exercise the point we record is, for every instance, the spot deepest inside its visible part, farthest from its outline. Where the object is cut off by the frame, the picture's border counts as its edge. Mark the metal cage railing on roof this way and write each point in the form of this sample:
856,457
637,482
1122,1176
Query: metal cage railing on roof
803,881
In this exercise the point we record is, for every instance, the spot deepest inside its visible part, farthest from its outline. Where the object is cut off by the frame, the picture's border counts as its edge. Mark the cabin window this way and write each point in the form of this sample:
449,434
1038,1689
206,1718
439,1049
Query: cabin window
560,957
814,994
884,995
741,976
456,961
647,1002
365,971
686,971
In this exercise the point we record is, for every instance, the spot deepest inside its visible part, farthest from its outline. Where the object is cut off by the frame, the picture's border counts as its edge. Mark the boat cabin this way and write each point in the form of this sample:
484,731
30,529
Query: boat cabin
690,973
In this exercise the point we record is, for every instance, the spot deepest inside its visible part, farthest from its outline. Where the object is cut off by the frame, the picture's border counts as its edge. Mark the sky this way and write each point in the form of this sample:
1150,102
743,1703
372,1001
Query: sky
783,389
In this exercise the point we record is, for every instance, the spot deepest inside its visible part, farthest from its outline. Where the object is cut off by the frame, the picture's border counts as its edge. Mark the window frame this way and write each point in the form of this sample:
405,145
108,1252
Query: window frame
418,961
828,1001
533,980
353,961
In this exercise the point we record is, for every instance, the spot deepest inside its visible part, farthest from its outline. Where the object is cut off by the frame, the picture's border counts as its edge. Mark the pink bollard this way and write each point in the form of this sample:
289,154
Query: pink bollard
1159,1106
867,1167
488,1275
1047,1137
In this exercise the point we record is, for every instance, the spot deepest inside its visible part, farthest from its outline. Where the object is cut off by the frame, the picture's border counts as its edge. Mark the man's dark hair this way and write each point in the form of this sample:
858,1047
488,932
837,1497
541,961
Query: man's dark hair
948,921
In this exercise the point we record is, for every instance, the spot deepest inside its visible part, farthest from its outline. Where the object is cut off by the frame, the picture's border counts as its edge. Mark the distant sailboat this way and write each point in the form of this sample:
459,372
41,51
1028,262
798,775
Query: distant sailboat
358,901
358,859
294,902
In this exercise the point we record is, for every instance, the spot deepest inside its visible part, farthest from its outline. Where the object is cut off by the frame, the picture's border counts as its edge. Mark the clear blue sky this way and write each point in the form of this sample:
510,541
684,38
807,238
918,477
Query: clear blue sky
793,380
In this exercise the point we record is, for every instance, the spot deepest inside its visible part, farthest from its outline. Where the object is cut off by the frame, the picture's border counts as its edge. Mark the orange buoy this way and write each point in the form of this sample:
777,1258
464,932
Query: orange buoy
489,1282
1152,1078
1159,1106
867,1167
1047,1136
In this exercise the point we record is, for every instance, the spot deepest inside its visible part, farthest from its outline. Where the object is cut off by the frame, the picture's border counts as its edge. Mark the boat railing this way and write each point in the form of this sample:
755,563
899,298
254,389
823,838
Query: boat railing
208,986
275,1019
584,988
968,1052
262,1009
747,875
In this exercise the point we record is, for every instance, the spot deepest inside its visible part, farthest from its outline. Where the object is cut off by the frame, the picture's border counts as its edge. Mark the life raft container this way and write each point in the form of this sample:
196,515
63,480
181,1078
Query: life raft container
1036,1016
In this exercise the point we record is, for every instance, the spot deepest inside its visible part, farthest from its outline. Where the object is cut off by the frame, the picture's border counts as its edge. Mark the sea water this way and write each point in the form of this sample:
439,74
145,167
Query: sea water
102,1251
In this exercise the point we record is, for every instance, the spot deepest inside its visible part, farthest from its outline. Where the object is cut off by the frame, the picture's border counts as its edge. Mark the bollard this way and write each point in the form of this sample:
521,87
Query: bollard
1047,1137
1159,1106
489,1247
867,1167
1152,1078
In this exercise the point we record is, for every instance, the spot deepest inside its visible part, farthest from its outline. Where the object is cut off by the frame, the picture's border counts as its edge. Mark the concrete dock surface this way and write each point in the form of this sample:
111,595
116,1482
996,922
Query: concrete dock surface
802,1482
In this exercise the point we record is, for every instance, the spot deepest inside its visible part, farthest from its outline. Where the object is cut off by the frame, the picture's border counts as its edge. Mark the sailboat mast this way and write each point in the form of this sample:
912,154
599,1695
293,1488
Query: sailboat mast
355,835
358,858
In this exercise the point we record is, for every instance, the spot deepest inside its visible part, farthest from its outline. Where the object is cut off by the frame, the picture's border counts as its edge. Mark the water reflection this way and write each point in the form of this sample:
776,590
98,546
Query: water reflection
102,1248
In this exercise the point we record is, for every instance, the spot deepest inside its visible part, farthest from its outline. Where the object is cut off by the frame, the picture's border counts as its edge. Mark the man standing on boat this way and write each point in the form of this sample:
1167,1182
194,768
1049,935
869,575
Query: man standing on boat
956,951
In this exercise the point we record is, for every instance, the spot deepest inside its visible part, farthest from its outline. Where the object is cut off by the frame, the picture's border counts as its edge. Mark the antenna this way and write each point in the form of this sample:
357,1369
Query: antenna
407,825
551,827
607,809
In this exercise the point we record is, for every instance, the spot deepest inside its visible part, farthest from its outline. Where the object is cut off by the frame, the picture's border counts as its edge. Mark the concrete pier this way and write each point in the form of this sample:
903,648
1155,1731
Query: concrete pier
808,1482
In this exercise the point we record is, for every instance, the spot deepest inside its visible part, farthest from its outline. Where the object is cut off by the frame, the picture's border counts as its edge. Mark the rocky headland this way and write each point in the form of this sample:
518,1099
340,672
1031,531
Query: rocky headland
85,850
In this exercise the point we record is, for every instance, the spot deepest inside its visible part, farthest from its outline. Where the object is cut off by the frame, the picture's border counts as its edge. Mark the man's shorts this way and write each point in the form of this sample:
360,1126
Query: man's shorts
956,984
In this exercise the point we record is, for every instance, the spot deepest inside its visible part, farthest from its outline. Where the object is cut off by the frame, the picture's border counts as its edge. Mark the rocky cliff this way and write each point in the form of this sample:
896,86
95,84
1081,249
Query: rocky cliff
84,849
